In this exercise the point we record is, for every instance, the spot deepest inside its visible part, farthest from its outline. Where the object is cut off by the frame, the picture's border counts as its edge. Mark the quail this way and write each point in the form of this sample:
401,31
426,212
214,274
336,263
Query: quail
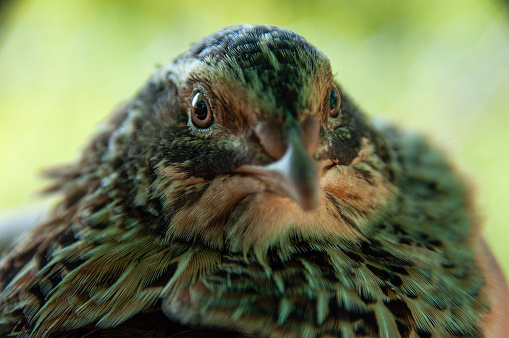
241,192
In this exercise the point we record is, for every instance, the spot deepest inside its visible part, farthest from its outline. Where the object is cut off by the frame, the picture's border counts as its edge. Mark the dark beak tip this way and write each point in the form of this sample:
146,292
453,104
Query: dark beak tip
309,207
307,202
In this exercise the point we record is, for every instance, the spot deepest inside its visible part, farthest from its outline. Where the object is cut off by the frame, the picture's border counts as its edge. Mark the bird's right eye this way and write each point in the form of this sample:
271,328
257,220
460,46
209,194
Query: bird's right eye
201,113
334,102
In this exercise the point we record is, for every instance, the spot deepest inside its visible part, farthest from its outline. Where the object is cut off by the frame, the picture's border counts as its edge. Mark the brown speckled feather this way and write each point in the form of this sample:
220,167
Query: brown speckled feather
242,193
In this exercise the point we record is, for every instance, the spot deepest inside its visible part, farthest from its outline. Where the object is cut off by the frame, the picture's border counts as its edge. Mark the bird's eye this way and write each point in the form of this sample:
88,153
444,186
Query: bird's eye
334,102
200,111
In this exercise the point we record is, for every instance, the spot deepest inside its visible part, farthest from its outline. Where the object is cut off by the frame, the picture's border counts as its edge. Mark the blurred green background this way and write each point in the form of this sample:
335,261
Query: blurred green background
441,67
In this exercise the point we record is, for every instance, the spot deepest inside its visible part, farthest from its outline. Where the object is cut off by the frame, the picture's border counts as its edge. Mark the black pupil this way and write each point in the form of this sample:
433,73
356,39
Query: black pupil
201,111
333,101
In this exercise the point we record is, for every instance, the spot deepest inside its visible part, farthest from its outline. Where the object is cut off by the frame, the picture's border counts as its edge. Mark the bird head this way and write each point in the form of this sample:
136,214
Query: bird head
272,95
247,140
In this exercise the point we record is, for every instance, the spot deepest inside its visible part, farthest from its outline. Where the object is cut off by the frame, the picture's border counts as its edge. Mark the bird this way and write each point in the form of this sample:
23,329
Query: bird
242,193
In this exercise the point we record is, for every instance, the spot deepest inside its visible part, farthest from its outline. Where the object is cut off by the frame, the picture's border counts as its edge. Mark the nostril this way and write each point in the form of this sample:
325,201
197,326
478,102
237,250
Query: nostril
272,139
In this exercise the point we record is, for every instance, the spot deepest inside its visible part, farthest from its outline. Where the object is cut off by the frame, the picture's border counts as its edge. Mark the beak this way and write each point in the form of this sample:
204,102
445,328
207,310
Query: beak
295,173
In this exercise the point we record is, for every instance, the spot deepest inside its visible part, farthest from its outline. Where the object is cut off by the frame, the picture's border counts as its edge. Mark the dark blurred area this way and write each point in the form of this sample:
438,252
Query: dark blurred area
5,10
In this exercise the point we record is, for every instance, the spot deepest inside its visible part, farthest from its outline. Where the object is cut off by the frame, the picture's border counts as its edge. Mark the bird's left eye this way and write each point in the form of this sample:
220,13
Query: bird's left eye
200,111
334,101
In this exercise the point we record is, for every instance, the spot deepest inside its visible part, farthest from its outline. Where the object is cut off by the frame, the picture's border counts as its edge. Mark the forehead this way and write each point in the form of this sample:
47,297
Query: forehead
247,42
273,65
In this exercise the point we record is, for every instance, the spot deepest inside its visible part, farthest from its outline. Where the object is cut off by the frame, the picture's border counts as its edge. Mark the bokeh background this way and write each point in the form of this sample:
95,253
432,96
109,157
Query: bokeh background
440,67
